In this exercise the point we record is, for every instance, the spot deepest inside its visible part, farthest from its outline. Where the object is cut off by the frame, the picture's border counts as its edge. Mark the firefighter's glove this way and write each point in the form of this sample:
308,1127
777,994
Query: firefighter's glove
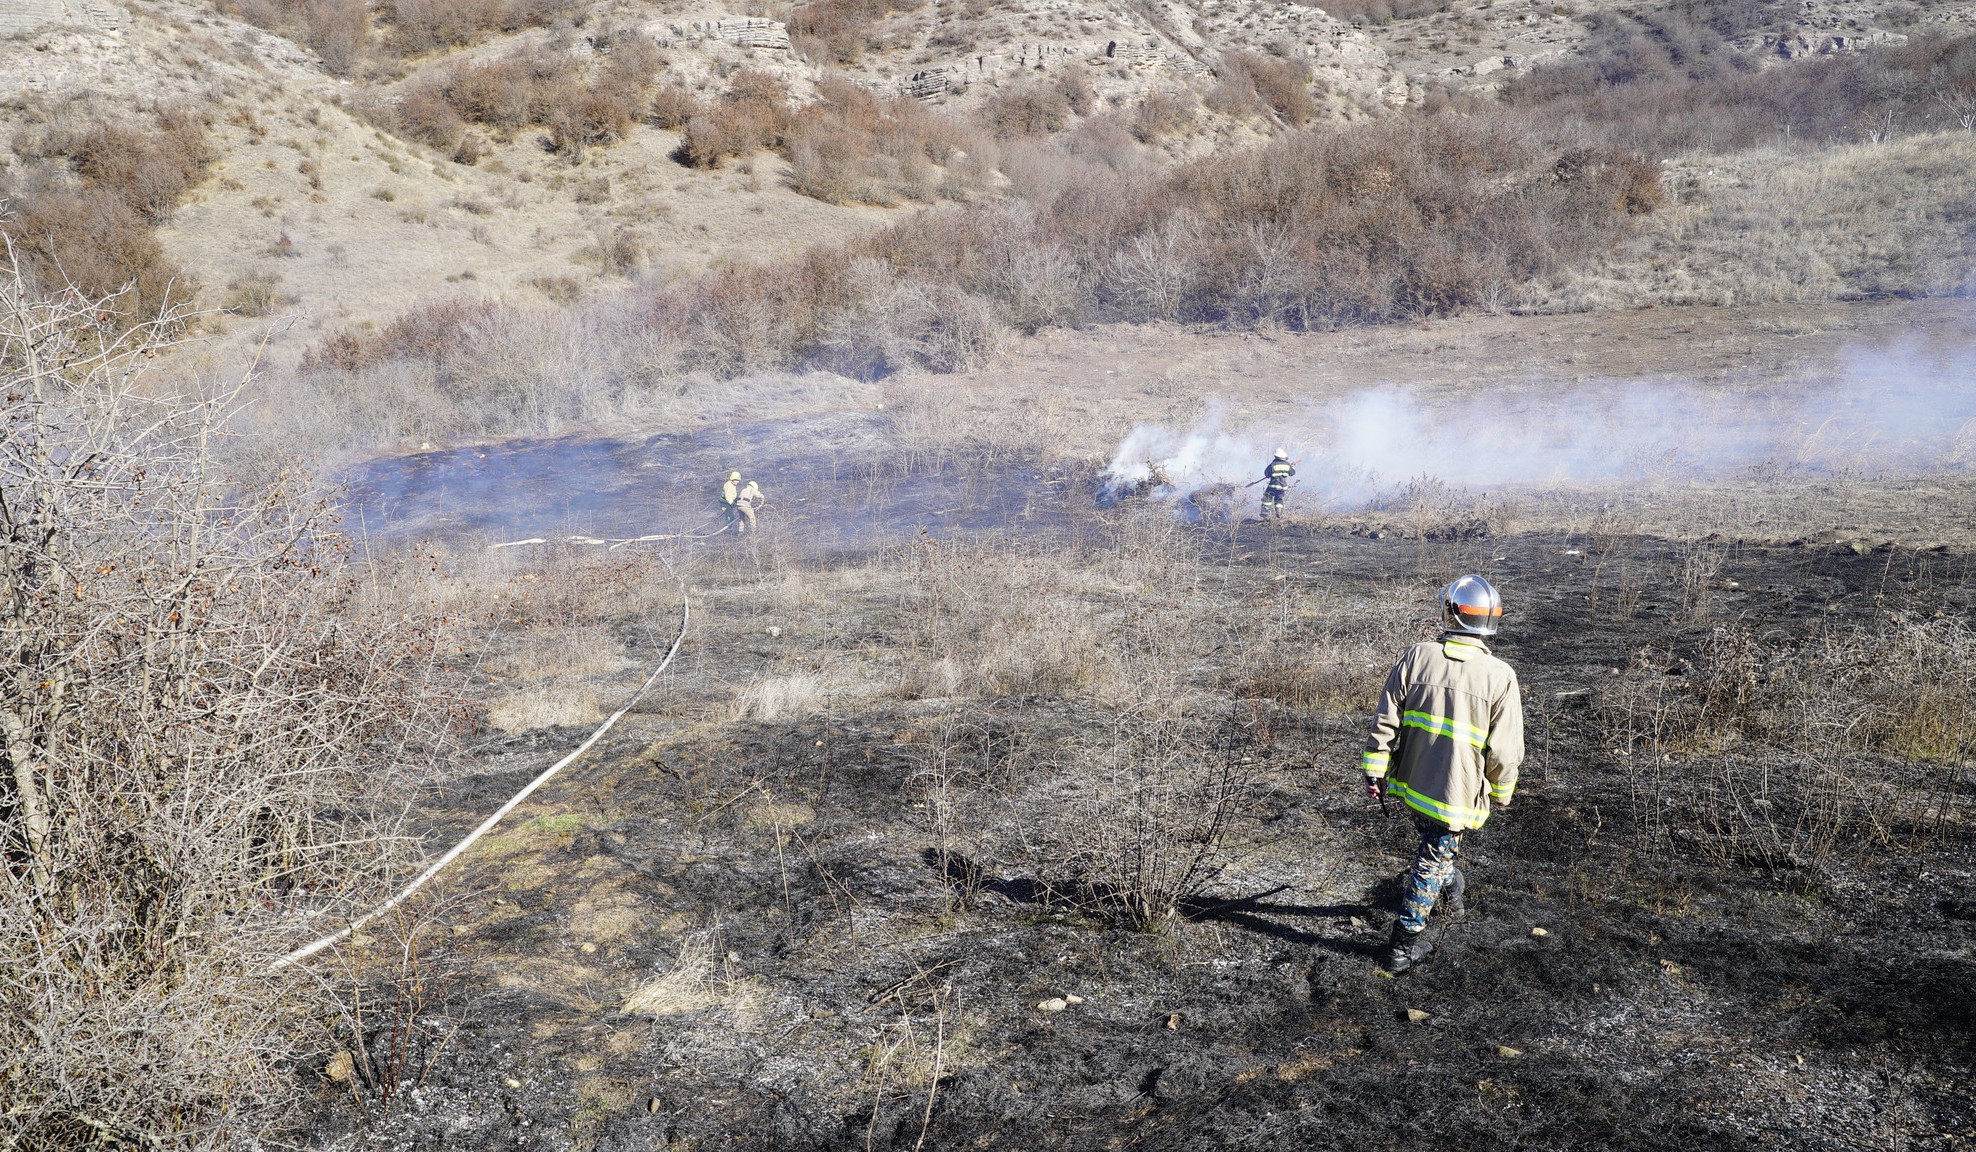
1375,787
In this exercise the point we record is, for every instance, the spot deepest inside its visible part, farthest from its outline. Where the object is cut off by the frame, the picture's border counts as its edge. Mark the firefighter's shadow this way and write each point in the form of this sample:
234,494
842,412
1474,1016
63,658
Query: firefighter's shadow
1326,926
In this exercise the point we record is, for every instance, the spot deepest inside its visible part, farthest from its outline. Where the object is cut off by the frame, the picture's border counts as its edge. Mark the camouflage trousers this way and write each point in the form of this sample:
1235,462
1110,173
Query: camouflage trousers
1433,867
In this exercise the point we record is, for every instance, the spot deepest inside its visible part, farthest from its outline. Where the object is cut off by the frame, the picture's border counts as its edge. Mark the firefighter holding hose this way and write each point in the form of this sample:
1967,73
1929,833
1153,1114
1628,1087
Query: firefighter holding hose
1446,741
1276,483
740,517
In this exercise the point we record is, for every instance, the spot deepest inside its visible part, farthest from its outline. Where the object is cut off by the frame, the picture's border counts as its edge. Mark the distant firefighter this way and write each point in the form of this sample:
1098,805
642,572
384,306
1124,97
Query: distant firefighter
1276,480
740,516
1447,740
750,502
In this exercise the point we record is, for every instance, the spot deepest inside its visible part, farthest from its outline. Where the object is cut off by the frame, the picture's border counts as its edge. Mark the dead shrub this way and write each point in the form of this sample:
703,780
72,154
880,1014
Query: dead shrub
1282,86
1029,108
337,31
440,334
1384,11
673,106
1655,86
419,26
527,87
621,252
1148,823
149,171
206,721
838,31
752,114
1163,114
92,241
424,116
854,146
254,294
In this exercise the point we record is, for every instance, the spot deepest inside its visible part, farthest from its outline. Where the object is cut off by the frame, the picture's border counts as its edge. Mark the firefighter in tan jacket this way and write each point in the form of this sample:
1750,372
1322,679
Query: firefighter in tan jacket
1446,741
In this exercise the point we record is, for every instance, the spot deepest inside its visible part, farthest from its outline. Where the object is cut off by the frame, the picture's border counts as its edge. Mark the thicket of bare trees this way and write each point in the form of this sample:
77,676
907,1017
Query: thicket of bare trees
203,726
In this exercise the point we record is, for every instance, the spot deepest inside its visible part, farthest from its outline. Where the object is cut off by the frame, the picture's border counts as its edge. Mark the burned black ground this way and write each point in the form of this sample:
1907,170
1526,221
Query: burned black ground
1675,1000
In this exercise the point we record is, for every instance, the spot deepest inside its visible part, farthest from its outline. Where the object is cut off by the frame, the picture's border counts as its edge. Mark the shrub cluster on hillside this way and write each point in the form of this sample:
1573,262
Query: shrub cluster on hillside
341,32
83,215
1408,216
839,31
1668,86
529,87
849,145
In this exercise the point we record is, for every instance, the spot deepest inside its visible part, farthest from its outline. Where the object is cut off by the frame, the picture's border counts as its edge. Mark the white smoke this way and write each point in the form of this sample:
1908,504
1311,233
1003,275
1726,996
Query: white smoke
1884,413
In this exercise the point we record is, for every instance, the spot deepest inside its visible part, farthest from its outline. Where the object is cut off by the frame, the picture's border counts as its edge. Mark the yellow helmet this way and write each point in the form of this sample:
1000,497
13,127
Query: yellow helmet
734,475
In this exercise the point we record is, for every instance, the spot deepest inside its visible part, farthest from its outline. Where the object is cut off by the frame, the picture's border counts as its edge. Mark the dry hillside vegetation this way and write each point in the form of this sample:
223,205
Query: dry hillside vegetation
209,720
82,216
535,152
1565,196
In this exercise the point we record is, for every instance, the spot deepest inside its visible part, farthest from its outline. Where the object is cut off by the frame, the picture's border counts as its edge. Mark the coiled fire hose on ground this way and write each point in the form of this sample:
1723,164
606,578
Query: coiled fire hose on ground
452,854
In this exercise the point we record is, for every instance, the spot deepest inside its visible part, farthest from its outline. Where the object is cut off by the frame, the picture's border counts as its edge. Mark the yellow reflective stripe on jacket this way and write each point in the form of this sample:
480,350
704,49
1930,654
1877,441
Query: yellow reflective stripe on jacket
1500,791
1449,814
1460,650
1375,763
1442,726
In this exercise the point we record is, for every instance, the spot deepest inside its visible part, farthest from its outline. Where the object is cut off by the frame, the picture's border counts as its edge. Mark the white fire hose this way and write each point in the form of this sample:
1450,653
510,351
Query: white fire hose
354,926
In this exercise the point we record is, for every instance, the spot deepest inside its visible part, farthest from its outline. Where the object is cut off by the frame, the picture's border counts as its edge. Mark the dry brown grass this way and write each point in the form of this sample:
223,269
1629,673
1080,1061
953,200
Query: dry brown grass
1784,750
1859,220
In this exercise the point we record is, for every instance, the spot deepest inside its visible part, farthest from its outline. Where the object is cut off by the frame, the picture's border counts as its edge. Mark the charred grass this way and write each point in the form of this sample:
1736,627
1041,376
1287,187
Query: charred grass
899,798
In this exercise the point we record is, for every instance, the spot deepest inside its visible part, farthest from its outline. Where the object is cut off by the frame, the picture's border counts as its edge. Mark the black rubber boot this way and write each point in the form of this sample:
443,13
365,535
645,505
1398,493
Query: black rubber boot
1407,950
1452,904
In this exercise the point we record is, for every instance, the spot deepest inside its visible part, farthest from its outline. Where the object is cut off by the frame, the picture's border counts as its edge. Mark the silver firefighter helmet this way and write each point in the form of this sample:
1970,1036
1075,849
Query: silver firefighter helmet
1282,453
1472,606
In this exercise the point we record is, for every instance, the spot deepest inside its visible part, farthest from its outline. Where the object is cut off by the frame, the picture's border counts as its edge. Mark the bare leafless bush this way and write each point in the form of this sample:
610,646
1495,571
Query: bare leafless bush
1384,11
93,235
531,86
1163,114
89,240
415,27
1653,89
338,31
838,31
1031,108
1144,829
673,106
1281,85
1784,751
853,146
752,114
203,728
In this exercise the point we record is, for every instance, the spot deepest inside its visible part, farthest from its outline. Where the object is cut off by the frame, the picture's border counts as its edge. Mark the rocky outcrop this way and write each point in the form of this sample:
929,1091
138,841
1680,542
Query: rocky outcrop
26,17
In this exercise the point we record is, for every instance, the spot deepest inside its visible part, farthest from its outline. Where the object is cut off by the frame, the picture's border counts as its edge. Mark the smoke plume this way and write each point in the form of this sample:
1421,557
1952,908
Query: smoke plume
1899,412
